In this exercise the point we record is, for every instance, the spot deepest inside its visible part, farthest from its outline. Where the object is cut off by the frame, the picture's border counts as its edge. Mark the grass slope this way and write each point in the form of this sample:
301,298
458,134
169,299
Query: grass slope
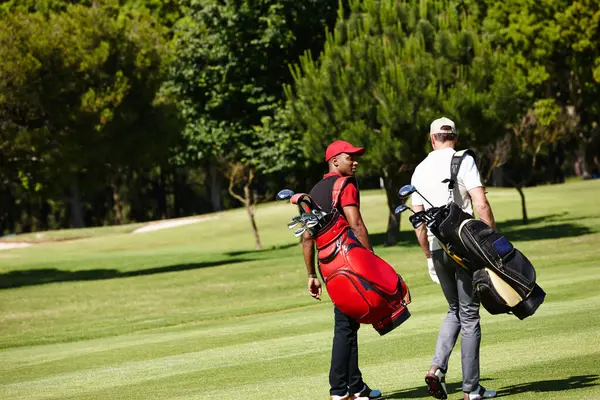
194,313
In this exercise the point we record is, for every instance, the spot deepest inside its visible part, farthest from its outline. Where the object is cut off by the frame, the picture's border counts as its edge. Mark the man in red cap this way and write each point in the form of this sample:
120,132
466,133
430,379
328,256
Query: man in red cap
345,378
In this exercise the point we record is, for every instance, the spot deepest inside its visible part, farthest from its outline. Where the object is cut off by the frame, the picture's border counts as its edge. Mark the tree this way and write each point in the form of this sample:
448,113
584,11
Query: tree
556,46
70,84
542,126
386,72
231,64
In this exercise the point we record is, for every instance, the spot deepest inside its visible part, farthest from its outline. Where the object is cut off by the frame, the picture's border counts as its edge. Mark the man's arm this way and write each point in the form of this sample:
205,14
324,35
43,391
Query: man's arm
308,248
357,225
421,232
482,206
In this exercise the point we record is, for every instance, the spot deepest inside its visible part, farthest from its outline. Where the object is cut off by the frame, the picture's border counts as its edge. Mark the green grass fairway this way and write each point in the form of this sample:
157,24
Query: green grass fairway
195,313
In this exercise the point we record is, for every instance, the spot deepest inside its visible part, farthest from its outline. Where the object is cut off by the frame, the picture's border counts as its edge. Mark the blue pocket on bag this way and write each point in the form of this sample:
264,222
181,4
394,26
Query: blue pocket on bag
502,246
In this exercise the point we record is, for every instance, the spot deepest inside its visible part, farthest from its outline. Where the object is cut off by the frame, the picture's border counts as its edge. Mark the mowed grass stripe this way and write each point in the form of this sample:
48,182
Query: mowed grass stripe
278,369
175,352
251,329
203,295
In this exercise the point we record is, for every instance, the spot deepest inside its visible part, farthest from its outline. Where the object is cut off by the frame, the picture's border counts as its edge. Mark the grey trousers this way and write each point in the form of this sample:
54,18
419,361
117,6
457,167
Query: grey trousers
462,317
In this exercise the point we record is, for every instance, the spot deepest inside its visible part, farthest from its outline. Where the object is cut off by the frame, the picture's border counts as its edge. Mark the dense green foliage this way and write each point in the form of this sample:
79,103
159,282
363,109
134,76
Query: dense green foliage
115,111
78,101
390,69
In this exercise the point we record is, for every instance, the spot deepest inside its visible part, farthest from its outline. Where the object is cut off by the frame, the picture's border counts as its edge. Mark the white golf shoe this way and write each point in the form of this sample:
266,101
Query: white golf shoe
481,393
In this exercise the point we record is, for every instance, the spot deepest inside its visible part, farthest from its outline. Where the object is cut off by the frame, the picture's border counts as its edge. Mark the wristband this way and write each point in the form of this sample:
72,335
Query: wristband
312,275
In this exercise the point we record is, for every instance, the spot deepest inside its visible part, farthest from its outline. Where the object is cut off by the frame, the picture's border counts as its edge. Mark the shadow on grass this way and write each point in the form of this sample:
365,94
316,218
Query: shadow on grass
556,231
421,391
272,248
14,279
418,392
403,237
557,385
555,226
516,223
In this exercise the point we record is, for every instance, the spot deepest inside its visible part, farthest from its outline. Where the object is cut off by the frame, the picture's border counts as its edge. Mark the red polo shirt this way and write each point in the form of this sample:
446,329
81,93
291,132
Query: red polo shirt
350,196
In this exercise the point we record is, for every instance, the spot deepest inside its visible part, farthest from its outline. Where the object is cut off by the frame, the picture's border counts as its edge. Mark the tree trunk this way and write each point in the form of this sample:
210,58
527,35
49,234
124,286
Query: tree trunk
523,206
27,220
161,195
117,205
585,167
45,211
215,186
393,225
76,207
391,185
250,210
237,172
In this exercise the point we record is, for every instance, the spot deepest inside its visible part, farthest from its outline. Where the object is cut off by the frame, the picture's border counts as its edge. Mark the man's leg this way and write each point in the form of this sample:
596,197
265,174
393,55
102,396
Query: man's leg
355,383
435,379
471,331
445,268
344,372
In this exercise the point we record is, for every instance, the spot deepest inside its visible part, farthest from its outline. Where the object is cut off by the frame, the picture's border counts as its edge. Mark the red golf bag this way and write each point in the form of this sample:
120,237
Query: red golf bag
360,284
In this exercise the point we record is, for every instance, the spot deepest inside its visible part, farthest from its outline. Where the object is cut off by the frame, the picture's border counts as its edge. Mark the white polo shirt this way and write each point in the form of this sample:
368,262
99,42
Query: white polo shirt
428,177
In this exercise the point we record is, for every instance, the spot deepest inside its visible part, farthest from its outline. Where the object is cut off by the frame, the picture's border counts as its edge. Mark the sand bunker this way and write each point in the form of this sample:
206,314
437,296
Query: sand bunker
152,226
172,223
13,245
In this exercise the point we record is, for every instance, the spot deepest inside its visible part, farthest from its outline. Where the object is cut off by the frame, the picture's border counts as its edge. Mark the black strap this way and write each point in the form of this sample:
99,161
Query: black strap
455,163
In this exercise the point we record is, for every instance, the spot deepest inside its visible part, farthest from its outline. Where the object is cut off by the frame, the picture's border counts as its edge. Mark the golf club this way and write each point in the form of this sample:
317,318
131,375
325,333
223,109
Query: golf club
401,208
407,190
417,219
300,231
312,223
294,222
285,194
319,213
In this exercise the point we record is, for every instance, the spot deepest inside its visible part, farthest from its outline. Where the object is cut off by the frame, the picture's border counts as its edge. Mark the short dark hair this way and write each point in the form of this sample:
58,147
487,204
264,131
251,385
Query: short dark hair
444,136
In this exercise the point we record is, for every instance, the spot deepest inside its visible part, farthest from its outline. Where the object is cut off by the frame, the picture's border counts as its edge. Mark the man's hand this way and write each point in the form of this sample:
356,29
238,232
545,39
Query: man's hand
431,269
314,288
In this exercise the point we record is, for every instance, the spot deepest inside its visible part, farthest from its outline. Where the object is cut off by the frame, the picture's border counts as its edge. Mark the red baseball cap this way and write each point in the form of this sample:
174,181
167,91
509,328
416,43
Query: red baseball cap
341,146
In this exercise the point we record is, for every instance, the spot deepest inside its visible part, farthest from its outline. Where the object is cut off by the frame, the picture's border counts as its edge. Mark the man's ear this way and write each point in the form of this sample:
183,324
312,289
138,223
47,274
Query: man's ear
334,161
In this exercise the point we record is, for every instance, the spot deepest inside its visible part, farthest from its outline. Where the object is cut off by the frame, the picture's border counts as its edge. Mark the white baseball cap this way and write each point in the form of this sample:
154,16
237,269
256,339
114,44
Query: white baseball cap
442,125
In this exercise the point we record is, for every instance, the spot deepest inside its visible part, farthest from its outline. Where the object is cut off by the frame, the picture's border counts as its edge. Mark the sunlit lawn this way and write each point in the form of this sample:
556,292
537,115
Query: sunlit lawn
195,313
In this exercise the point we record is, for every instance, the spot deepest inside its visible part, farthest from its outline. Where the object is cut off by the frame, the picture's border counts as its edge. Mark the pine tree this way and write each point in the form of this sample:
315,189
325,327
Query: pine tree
386,72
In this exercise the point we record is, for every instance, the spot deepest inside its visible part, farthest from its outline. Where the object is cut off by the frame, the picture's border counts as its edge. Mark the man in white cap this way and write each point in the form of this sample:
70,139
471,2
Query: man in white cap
456,284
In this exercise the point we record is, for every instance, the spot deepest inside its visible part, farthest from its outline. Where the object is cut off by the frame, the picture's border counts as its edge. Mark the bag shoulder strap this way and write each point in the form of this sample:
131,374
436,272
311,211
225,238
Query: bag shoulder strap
455,163
338,186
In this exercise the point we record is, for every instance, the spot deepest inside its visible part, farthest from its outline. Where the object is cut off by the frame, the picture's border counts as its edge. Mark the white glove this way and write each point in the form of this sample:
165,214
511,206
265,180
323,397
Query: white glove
431,269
